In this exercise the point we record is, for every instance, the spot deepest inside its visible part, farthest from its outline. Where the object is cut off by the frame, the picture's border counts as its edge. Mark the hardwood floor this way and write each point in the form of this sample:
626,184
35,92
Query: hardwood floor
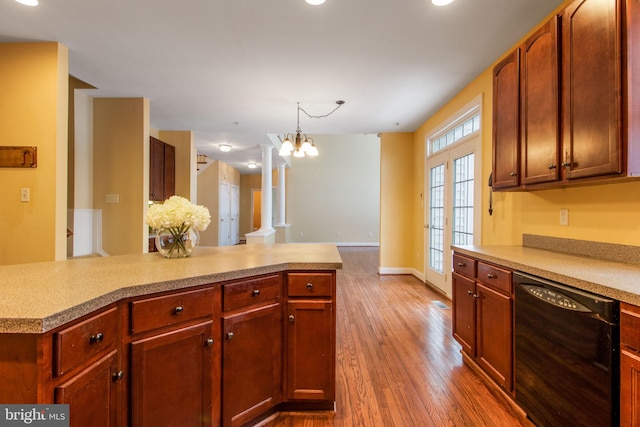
397,363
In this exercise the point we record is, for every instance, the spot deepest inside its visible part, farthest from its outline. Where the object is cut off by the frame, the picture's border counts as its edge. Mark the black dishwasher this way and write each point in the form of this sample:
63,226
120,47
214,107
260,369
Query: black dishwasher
566,354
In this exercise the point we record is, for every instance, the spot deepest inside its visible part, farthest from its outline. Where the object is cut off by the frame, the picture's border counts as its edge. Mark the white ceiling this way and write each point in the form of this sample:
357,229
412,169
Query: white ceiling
232,70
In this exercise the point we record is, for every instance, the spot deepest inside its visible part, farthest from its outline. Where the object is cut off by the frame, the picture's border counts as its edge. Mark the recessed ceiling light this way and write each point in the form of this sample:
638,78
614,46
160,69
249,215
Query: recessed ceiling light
251,165
441,2
28,2
225,147
315,2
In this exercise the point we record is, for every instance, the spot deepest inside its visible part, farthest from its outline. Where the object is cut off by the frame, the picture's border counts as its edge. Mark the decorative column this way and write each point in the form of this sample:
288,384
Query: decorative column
281,194
282,228
266,233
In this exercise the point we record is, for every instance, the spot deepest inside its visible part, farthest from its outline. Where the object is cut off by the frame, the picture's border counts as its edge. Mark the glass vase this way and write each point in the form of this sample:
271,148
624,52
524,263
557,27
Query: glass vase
172,243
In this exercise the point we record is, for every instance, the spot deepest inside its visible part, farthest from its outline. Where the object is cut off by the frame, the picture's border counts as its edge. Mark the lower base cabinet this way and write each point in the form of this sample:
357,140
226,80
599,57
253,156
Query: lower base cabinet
203,356
629,365
483,317
251,361
309,356
171,378
92,395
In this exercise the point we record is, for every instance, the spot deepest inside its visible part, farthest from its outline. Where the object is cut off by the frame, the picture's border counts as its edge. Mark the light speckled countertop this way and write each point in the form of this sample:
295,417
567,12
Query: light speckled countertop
612,279
38,297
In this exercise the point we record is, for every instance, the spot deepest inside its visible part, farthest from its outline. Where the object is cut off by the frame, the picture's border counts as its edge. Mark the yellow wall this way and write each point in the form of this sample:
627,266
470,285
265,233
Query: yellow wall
396,200
183,141
121,166
33,112
605,213
248,183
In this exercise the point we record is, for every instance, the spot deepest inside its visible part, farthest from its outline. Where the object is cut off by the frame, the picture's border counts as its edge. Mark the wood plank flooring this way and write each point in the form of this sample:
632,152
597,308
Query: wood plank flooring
397,363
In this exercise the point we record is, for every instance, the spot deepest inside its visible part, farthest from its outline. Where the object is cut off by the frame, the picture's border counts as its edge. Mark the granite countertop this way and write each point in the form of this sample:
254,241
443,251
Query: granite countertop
38,297
613,279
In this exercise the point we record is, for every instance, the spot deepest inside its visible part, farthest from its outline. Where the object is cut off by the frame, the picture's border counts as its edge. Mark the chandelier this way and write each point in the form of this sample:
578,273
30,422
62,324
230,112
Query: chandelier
302,145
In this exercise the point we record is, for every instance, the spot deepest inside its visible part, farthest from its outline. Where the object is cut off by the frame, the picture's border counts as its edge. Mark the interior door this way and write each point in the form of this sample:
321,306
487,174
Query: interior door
224,209
452,190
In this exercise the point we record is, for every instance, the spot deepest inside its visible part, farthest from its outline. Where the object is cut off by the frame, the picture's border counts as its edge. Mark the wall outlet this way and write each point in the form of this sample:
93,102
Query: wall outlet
564,216
25,194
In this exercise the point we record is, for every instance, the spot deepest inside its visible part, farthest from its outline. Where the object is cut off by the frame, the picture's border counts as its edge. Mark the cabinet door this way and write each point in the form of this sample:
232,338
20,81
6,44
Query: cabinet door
169,171
92,395
592,143
464,313
156,169
494,323
251,361
171,378
539,108
629,388
309,350
506,123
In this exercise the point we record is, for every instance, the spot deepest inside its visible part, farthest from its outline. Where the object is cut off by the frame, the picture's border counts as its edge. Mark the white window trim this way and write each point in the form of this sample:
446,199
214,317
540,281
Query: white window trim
468,110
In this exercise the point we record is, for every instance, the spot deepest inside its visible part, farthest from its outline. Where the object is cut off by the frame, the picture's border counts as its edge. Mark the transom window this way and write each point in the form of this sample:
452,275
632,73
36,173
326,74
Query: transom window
466,125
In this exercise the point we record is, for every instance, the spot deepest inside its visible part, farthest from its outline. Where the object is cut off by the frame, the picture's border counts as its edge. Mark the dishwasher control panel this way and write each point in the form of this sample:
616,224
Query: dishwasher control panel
555,298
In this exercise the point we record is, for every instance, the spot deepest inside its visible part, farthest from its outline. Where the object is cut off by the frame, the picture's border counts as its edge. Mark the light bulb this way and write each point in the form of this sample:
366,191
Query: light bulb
441,2
315,2
28,2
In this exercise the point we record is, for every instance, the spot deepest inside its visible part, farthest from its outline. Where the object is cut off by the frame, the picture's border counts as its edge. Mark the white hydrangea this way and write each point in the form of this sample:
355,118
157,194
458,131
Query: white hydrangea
178,212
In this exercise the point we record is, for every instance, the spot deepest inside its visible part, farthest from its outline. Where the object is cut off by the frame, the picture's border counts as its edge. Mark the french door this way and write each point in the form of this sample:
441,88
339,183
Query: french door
450,214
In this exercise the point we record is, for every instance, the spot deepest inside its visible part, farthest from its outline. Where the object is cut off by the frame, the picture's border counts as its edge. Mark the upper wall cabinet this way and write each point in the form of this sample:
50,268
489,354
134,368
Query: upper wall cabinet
575,100
162,170
506,125
592,140
540,112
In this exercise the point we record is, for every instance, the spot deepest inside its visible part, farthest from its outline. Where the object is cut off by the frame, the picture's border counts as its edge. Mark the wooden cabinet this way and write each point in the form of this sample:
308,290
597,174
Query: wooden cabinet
174,356
506,124
526,112
629,365
592,142
579,67
208,355
539,106
483,316
92,394
86,369
171,378
252,349
309,354
162,170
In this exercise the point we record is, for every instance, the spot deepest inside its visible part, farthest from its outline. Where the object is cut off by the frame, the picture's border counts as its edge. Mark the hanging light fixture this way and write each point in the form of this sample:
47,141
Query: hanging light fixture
302,145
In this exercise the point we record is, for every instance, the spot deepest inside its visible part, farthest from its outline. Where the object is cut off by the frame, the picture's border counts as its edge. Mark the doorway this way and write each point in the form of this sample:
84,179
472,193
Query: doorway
452,183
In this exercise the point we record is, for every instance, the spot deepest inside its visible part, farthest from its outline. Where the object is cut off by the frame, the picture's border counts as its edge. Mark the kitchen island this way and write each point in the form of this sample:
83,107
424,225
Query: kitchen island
220,338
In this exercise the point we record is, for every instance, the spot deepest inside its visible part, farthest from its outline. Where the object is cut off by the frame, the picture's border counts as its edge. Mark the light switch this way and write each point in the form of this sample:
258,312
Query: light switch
564,216
25,195
113,198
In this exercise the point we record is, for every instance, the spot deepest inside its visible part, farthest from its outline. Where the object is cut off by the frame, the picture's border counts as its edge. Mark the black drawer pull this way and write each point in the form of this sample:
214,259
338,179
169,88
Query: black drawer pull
117,375
255,292
462,264
179,309
491,276
94,339
309,286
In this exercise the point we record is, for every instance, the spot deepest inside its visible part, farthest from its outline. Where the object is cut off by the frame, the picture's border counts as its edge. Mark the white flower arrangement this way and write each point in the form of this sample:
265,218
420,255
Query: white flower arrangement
178,214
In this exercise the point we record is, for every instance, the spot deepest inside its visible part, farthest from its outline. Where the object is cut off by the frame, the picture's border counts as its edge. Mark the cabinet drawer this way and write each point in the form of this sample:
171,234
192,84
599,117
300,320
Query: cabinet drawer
630,326
77,343
463,265
167,310
250,292
495,277
310,284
